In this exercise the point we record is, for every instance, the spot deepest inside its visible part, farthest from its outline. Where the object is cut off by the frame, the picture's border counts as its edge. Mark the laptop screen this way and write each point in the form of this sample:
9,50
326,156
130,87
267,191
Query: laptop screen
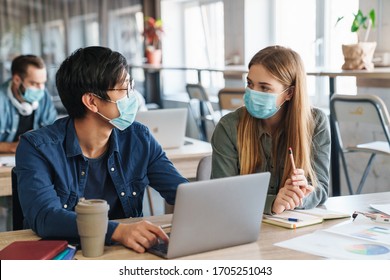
217,213
168,126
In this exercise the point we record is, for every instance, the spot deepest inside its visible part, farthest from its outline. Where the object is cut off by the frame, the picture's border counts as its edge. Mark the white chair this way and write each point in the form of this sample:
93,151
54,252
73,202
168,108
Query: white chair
203,172
351,113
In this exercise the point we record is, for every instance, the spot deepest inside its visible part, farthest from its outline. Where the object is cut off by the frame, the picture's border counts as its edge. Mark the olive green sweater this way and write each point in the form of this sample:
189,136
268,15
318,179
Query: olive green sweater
225,161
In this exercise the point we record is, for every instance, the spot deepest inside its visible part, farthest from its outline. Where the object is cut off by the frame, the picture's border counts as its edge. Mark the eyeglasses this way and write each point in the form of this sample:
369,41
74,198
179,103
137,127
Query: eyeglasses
130,88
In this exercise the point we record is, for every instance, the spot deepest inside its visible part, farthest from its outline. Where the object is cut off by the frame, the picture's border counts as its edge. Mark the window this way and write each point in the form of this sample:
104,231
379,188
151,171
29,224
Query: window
201,44
306,26
309,28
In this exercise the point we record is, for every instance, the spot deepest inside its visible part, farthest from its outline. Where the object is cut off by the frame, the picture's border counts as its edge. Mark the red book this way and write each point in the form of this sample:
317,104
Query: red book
33,250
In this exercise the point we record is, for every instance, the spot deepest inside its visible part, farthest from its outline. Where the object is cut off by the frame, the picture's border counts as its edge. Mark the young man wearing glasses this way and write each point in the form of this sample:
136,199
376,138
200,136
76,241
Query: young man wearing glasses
95,152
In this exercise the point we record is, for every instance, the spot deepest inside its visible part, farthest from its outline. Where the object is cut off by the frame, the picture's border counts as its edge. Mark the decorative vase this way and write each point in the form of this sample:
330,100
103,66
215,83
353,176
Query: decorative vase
359,56
153,56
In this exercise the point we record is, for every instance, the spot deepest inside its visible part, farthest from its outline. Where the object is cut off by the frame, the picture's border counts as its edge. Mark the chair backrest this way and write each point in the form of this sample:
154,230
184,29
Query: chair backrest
201,109
17,213
231,98
359,109
203,171
197,91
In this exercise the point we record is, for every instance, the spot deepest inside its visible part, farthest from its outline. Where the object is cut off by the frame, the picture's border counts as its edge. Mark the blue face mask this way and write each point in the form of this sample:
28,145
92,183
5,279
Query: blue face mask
33,94
261,105
127,107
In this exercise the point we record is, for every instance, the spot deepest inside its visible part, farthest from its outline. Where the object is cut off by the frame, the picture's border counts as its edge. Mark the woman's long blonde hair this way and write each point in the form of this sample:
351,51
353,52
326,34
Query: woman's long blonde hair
298,127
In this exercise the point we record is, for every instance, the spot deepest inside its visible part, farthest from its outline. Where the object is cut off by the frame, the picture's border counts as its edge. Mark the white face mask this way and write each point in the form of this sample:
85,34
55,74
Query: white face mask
127,107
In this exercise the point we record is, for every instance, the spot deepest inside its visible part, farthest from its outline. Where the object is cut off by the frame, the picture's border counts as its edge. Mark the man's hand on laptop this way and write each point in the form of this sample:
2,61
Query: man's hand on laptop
139,236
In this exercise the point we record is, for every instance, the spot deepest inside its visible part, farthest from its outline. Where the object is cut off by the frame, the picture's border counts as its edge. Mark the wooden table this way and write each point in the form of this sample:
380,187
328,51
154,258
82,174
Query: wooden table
5,177
262,249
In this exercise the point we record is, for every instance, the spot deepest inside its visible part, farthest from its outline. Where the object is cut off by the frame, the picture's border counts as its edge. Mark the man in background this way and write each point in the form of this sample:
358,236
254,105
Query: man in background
25,104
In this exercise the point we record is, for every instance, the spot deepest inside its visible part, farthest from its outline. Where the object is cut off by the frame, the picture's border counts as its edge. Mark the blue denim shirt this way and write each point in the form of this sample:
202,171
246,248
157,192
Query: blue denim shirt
52,171
44,115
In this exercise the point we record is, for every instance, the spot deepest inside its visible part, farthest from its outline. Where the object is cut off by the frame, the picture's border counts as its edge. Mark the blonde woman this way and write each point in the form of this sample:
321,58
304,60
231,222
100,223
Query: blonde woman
276,116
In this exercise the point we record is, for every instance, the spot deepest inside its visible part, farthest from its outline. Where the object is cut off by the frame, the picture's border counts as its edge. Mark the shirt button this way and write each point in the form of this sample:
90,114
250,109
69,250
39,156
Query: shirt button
82,173
134,193
112,169
65,206
122,193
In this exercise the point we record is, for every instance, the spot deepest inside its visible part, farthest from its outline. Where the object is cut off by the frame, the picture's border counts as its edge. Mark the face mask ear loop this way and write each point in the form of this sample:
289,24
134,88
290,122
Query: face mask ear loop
285,100
100,114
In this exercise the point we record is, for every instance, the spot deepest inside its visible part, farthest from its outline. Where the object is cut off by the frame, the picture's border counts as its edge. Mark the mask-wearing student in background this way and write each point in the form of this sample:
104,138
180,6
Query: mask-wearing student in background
97,152
277,115
25,104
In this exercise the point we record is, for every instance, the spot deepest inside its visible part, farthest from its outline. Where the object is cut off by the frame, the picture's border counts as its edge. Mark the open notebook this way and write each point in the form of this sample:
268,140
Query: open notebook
214,214
302,218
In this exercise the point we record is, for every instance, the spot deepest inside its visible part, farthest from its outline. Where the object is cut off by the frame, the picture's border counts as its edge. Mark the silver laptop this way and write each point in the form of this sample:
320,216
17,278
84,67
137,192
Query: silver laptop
215,214
168,126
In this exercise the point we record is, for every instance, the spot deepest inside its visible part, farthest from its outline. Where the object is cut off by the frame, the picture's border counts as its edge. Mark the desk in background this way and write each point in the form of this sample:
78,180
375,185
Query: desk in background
5,181
6,189
5,174
262,249
377,74
187,157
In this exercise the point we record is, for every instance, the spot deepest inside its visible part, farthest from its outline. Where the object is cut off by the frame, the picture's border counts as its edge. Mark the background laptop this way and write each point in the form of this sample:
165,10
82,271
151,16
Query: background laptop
215,214
168,126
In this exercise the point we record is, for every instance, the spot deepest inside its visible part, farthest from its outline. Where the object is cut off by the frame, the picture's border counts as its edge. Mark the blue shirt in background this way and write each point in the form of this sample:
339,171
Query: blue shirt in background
44,115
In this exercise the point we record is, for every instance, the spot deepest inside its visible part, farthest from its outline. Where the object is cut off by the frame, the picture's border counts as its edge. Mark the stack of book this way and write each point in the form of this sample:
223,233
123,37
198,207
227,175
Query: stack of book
38,250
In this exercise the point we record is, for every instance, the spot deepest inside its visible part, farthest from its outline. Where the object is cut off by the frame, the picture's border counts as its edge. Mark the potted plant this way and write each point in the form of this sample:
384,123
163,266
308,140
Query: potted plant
359,56
152,33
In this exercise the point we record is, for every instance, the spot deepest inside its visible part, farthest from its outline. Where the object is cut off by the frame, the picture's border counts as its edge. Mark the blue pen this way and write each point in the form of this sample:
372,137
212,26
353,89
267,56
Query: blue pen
283,218
292,219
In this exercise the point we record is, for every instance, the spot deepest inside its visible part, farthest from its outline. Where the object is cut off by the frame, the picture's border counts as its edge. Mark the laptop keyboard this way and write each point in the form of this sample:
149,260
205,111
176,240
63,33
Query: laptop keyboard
161,247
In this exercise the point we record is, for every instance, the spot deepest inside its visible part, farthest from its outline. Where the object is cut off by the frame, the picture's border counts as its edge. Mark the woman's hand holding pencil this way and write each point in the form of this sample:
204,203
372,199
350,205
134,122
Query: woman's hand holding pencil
298,177
294,190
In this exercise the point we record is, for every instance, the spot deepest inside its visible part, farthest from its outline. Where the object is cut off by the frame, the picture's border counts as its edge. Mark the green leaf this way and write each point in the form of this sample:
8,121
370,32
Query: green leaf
372,17
361,21
338,19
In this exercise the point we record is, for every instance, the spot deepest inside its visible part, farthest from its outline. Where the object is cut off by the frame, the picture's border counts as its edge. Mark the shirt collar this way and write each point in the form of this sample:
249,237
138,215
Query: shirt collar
73,146
72,142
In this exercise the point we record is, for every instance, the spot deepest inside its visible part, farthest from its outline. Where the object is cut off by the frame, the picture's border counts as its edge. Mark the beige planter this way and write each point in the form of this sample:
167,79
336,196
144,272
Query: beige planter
359,56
